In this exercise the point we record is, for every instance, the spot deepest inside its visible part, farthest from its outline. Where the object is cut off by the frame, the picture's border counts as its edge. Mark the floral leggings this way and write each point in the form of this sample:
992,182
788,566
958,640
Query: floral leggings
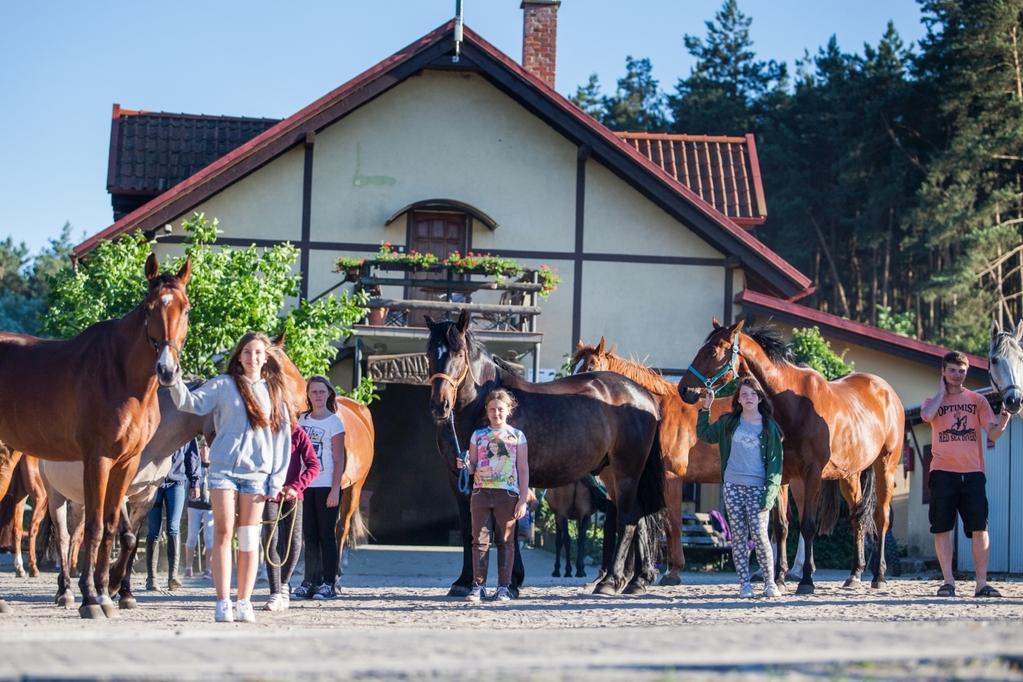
747,522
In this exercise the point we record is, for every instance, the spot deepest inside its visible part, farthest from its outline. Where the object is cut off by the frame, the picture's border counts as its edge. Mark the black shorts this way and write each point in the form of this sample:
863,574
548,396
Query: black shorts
962,493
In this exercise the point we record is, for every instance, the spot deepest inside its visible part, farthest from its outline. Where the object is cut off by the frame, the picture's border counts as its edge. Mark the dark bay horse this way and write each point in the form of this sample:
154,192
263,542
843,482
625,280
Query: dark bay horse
1005,365
575,426
570,502
92,399
834,431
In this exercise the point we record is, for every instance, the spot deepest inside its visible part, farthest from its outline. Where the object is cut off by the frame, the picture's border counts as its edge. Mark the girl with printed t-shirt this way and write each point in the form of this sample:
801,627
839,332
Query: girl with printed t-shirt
326,431
499,462
751,463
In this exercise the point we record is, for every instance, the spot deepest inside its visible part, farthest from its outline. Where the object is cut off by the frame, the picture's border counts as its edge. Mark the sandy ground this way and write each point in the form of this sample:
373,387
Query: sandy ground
393,621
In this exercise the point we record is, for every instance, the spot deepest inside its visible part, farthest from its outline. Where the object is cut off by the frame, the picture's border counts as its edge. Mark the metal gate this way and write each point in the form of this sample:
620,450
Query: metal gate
1005,498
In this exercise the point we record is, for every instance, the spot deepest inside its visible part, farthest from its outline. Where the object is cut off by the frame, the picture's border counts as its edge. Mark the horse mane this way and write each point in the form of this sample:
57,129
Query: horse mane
773,343
646,377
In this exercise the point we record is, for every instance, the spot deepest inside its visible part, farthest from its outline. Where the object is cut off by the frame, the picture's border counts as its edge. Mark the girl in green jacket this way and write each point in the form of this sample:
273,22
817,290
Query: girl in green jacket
751,462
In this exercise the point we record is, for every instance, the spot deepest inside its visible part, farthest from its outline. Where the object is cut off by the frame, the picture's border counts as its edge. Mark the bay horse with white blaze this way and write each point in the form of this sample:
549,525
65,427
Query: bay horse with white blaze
575,426
834,431
93,399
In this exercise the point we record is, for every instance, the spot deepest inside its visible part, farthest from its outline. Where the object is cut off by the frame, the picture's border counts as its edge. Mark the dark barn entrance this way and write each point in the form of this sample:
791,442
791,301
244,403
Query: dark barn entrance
412,502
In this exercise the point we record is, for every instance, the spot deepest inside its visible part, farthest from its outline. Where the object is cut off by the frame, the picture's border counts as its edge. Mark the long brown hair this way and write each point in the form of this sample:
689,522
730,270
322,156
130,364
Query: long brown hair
765,407
274,376
331,393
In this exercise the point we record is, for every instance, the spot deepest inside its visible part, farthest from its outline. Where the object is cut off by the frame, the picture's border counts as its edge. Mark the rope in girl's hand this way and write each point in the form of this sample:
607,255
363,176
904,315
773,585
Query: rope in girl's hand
274,524
464,479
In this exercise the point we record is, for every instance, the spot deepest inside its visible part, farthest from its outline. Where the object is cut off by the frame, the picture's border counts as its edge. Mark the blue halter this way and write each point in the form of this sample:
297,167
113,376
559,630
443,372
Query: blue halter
730,366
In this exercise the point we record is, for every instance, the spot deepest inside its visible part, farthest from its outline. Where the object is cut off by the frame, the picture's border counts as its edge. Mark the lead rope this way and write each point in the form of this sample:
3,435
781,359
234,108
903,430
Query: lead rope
464,479
274,525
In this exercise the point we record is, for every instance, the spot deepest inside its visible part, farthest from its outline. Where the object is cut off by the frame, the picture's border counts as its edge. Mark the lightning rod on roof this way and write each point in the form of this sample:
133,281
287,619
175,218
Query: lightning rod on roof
458,32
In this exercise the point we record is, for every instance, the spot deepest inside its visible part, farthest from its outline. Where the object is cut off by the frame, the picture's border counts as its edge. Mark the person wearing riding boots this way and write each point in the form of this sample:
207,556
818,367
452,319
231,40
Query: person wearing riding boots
499,463
170,496
749,440
320,509
958,485
249,459
282,520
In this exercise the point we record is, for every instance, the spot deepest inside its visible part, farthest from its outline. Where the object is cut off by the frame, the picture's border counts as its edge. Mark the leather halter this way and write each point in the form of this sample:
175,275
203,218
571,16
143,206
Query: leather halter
457,383
731,366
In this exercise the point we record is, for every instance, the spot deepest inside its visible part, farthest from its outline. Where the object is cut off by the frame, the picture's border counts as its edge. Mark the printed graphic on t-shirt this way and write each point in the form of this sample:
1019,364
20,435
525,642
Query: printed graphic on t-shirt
496,457
960,429
316,437
957,443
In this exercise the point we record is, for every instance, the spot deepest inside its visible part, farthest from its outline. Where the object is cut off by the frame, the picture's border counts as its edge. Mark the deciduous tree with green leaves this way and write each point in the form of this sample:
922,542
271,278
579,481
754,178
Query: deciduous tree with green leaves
232,291
813,350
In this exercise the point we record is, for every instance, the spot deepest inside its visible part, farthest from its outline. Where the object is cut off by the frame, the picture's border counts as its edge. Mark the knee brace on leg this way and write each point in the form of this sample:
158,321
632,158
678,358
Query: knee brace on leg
248,538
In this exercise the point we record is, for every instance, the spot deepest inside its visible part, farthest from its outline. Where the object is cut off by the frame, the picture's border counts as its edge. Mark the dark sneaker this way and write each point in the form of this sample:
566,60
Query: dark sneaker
303,591
324,591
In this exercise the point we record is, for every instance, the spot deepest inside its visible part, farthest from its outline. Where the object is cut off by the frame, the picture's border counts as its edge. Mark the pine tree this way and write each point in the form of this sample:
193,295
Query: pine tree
638,104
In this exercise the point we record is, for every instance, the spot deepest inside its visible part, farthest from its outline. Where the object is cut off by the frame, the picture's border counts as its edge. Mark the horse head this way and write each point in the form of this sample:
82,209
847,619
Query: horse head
591,358
450,353
1005,365
166,316
294,382
715,363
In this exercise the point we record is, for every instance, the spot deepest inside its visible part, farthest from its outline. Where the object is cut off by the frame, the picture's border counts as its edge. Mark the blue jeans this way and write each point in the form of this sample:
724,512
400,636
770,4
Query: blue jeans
173,499
243,486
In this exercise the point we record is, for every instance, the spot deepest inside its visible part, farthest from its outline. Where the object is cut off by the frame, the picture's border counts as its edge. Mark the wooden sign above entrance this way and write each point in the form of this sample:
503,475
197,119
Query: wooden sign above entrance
405,368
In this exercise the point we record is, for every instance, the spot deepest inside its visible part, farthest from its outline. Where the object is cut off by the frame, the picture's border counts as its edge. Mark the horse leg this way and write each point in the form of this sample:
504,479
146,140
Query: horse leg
38,516
852,493
18,529
58,507
556,573
463,584
349,505
781,537
120,574
582,525
884,479
627,520
808,529
97,474
119,478
644,565
518,570
673,529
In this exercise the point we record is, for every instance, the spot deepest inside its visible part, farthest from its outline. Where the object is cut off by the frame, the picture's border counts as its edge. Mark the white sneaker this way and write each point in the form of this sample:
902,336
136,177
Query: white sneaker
746,591
771,591
277,602
224,612
477,594
244,612
286,598
503,594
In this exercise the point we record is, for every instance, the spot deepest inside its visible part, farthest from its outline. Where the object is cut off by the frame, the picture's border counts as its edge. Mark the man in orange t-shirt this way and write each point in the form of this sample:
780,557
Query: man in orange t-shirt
957,415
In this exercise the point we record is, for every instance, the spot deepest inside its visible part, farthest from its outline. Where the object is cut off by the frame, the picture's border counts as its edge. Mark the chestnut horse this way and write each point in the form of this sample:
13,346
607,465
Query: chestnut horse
26,482
834,431
575,426
92,399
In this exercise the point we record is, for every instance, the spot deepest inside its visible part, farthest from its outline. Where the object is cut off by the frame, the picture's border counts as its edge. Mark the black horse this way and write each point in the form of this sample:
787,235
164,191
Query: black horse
578,425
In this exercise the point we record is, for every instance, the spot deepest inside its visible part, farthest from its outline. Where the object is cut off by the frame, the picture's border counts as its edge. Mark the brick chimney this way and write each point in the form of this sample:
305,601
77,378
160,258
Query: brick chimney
540,38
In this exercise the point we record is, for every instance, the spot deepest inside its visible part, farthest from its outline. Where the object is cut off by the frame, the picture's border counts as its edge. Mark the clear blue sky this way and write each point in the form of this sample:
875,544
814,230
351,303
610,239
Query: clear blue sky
63,63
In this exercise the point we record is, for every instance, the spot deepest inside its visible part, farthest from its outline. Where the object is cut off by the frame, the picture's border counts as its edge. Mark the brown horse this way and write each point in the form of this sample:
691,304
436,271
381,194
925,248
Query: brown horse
92,399
26,482
570,502
834,431
575,426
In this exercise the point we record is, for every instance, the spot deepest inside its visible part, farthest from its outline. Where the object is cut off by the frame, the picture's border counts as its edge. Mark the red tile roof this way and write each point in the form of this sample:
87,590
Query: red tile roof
723,170
569,119
855,332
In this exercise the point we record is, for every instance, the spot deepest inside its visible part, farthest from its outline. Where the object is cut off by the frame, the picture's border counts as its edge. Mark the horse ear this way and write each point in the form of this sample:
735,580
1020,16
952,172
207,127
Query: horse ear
1019,331
579,345
463,321
429,320
714,321
279,341
152,267
738,325
600,346
185,273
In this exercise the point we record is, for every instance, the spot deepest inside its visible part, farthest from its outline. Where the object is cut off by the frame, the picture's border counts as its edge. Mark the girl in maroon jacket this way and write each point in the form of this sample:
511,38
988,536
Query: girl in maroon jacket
302,469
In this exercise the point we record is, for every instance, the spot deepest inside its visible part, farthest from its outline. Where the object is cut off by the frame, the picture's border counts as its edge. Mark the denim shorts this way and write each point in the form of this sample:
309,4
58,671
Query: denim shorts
245,486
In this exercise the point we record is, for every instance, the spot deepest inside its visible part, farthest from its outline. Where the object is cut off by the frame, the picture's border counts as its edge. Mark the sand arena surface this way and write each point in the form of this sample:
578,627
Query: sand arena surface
393,620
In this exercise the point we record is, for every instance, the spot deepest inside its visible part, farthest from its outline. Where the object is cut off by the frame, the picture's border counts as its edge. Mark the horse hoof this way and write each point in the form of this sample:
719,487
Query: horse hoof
4,608
513,591
110,609
127,601
782,587
19,573
668,580
65,600
634,589
91,611
605,588
879,585
33,574
805,588
851,582
557,573
459,590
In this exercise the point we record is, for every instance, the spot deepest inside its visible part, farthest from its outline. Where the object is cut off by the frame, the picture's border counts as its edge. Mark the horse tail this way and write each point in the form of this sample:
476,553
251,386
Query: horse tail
651,482
863,512
358,531
829,506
